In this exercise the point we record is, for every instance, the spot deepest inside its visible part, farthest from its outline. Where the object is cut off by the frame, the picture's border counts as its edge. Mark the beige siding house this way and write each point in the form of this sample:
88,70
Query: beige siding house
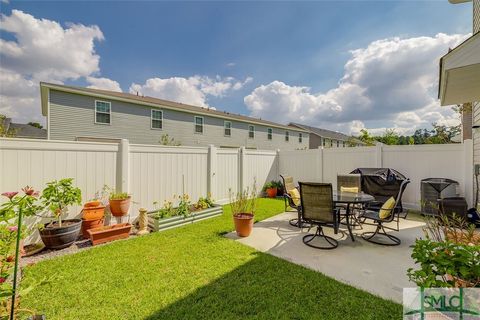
76,113
327,138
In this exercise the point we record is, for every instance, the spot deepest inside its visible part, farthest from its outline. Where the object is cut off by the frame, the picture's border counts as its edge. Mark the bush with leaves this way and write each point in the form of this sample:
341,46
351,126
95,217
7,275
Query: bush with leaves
58,195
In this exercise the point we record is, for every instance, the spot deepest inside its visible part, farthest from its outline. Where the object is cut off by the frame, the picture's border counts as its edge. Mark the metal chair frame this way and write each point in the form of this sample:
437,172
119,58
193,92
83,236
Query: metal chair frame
287,198
379,223
307,239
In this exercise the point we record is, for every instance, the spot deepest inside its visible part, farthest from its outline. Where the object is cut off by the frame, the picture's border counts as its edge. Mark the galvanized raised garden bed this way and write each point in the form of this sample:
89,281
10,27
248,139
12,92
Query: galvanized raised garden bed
158,224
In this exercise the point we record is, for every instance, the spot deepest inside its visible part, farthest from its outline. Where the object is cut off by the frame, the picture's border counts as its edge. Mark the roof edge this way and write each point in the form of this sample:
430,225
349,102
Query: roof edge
165,104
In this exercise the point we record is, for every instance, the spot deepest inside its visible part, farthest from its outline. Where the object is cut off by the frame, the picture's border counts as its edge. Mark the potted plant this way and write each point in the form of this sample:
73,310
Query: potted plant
446,256
57,196
271,189
243,205
119,203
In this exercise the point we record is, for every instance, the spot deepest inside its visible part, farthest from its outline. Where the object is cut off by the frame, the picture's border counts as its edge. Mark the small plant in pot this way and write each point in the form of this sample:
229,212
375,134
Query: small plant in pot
243,205
119,203
57,196
271,189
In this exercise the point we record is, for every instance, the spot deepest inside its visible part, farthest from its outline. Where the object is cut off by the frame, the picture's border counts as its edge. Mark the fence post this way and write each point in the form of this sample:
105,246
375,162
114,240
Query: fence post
379,155
468,163
123,167
319,164
241,168
211,171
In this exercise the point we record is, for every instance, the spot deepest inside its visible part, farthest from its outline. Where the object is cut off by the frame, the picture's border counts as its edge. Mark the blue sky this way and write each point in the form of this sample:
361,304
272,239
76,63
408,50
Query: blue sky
284,57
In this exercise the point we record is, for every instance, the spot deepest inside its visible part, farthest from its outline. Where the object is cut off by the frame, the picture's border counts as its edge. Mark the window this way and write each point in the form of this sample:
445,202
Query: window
102,112
198,124
227,128
300,138
287,136
251,132
343,144
338,143
156,119
323,142
269,133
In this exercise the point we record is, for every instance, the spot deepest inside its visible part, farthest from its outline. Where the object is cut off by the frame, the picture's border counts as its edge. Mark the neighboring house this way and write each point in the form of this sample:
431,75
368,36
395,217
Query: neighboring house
459,81
20,130
327,138
76,113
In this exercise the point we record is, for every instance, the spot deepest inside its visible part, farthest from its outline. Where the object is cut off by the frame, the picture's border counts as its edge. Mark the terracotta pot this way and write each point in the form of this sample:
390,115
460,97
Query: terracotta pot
93,213
94,203
109,233
119,207
55,237
243,223
90,224
272,192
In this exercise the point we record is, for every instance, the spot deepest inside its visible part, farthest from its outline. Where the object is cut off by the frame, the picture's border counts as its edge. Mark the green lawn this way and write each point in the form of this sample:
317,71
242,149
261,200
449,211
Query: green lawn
193,272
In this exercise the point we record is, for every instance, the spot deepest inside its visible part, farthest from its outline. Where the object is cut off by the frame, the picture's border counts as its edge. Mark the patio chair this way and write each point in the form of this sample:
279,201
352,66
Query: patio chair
349,183
291,201
318,210
394,216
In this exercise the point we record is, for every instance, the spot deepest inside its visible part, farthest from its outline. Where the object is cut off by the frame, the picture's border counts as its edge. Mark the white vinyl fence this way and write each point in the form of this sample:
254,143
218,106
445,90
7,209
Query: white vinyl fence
417,162
157,173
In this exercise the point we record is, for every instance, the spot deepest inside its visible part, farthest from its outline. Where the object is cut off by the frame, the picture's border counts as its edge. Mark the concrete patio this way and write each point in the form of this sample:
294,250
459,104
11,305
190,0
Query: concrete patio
380,270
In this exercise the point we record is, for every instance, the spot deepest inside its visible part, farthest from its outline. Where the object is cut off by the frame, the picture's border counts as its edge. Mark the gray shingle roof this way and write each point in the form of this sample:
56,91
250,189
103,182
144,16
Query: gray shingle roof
324,133
24,130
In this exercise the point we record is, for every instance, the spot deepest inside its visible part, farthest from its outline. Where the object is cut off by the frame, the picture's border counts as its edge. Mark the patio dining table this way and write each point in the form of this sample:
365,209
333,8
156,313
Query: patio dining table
349,199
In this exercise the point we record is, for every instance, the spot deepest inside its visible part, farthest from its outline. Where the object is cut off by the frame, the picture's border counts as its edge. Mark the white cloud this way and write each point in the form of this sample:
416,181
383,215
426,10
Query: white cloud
392,83
42,50
104,84
193,90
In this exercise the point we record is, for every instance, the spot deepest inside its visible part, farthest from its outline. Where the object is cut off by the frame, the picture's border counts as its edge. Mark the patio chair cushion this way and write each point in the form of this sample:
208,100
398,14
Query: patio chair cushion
387,208
295,195
349,189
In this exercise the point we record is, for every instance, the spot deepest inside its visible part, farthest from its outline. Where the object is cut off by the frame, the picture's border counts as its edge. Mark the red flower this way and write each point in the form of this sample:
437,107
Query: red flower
2,280
12,228
28,190
10,195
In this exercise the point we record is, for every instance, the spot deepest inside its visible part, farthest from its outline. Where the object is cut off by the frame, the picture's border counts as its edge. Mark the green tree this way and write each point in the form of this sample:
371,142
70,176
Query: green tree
4,132
366,138
36,125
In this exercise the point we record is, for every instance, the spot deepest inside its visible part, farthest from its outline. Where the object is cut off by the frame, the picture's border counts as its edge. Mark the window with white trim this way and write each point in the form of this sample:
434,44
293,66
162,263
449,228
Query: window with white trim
251,132
300,137
338,143
269,133
287,136
103,112
198,124
227,128
156,119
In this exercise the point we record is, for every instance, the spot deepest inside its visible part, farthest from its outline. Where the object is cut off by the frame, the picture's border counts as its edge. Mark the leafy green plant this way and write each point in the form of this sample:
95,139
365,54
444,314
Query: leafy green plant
58,195
270,185
204,203
165,211
449,256
244,201
445,264
119,196
184,205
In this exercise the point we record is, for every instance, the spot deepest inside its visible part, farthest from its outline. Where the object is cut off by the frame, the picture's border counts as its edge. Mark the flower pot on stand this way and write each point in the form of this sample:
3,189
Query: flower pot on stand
119,207
272,192
243,224
93,212
56,237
